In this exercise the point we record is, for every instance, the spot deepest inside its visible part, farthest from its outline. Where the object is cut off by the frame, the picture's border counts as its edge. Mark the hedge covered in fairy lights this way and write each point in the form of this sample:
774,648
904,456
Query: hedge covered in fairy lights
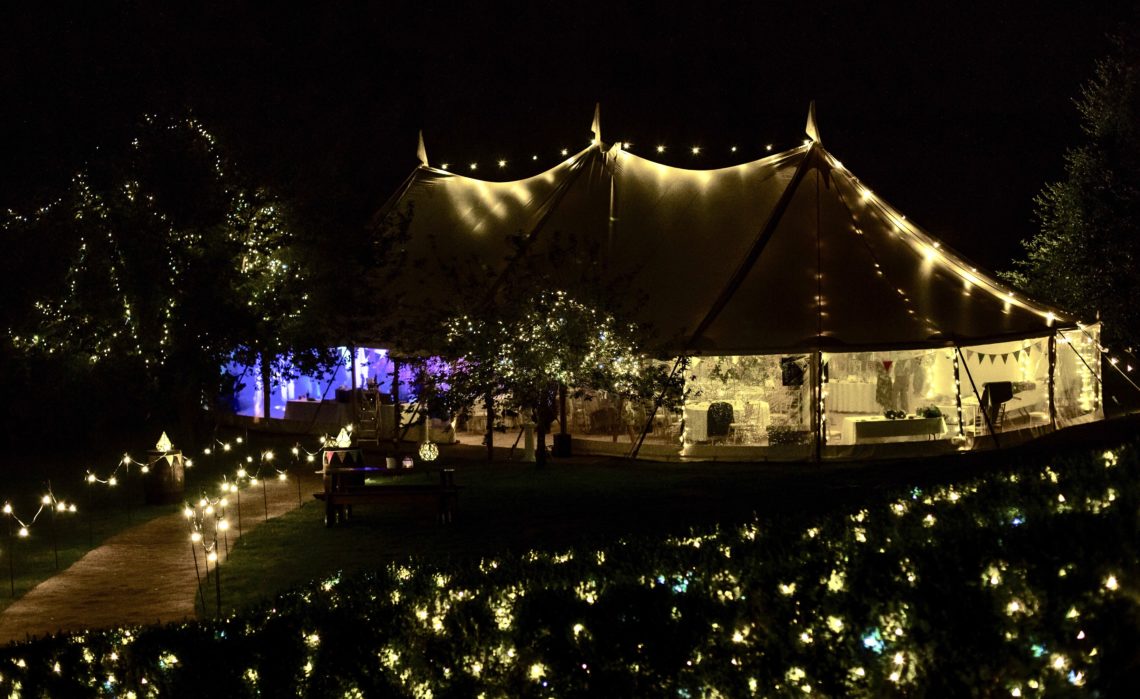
1019,584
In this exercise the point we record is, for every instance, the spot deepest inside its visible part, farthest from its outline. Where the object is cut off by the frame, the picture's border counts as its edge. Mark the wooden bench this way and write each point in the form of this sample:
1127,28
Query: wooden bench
345,487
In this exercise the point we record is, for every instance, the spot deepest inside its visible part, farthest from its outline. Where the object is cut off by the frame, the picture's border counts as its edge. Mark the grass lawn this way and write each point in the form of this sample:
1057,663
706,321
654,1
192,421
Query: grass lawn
102,511
507,507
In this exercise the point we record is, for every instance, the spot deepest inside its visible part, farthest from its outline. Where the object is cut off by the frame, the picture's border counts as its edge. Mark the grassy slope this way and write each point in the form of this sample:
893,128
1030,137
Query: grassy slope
518,507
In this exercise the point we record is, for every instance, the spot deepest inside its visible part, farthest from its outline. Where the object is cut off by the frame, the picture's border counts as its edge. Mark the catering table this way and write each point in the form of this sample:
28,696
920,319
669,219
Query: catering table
850,397
863,430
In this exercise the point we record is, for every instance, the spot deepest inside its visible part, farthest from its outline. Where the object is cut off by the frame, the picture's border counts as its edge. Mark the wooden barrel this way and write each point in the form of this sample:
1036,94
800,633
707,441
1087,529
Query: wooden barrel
165,482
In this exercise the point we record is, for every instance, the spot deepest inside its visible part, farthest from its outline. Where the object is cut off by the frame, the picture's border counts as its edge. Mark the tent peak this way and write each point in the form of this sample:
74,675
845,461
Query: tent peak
596,126
421,151
811,129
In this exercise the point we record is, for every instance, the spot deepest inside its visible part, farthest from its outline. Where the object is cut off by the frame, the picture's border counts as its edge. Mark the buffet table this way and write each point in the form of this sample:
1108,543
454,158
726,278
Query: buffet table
873,428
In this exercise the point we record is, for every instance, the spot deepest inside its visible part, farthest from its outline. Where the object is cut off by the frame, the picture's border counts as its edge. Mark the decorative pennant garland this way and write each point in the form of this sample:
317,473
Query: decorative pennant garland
993,356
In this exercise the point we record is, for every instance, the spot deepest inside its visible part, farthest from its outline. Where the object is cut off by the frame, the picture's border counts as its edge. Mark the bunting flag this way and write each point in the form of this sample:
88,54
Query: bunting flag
992,357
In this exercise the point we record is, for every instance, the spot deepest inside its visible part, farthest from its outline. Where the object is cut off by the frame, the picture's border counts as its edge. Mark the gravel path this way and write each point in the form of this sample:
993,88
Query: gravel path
143,575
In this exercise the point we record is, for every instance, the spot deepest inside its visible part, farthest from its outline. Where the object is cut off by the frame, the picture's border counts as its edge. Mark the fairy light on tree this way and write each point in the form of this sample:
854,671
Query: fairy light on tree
166,288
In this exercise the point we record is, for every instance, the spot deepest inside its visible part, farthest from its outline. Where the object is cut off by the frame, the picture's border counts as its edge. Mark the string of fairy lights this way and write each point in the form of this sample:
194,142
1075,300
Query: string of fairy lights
48,502
256,230
689,153
858,604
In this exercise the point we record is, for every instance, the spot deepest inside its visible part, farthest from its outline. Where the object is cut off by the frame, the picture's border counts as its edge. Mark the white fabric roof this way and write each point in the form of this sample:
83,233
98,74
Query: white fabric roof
784,254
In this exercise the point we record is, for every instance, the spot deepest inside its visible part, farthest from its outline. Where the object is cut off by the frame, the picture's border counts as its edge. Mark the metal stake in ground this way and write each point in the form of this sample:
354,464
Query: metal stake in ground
264,500
296,467
51,526
11,557
217,578
127,492
90,525
238,491
198,577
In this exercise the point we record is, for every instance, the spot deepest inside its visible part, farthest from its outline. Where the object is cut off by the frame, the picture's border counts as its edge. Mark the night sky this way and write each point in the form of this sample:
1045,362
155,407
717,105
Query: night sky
957,117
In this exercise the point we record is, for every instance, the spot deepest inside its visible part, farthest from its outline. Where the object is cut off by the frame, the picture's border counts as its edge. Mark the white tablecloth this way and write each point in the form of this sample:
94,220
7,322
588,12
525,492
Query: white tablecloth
851,397
880,429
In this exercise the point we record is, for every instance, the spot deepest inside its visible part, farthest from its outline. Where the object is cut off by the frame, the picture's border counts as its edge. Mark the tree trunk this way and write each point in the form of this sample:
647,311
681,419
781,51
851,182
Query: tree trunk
489,406
540,445
266,385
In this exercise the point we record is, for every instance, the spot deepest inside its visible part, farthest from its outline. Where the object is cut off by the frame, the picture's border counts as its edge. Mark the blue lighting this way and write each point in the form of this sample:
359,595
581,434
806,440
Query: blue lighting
874,642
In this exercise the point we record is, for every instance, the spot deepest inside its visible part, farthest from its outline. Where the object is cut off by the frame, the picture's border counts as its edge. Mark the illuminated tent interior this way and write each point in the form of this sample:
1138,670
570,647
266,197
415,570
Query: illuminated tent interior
808,305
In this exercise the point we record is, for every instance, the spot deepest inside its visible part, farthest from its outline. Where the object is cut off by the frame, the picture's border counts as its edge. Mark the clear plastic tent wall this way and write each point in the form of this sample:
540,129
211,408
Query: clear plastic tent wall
822,322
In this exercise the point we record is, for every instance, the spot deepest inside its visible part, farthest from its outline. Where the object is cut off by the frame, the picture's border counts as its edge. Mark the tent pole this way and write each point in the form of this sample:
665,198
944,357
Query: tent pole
958,391
395,403
656,406
355,403
985,413
817,356
817,404
1052,381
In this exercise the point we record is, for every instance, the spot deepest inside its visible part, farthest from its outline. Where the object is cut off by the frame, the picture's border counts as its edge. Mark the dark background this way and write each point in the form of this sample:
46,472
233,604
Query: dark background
955,113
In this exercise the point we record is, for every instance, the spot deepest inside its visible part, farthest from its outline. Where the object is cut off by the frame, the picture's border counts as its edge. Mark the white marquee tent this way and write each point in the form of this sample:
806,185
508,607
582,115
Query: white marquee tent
786,256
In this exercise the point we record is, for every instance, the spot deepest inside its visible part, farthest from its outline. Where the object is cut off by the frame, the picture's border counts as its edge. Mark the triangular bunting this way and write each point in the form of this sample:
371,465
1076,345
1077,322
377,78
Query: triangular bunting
1017,355
1005,357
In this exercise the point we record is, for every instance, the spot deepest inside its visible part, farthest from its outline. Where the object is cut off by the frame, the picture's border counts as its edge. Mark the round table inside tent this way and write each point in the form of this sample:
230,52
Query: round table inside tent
165,480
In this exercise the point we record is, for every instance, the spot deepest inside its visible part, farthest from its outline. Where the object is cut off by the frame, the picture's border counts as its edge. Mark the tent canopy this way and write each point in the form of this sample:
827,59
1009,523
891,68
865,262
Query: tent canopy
789,253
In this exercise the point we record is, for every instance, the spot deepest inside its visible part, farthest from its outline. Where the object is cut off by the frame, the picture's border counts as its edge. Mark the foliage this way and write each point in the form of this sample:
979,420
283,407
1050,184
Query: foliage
175,265
542,330
1086,258
1017,583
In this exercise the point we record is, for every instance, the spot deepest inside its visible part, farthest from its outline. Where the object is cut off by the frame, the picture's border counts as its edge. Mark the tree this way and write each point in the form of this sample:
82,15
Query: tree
541,331
1086,257
175,267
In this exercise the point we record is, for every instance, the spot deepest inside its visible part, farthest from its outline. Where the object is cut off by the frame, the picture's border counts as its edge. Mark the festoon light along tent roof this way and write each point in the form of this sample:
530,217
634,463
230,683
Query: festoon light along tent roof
789,253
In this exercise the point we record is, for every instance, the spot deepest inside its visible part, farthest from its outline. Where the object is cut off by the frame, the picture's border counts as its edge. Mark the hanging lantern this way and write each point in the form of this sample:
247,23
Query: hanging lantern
429,452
